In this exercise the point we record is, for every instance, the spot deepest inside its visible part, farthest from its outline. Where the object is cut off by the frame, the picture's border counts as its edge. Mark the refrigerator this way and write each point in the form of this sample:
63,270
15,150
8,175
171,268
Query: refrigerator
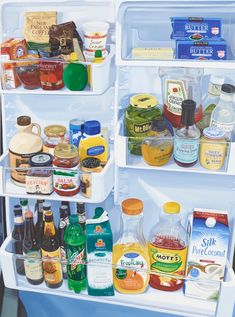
131,24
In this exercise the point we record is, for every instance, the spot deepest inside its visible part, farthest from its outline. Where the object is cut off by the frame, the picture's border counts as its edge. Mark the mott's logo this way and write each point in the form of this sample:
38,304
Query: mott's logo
100,243
165,262
142,128
99,229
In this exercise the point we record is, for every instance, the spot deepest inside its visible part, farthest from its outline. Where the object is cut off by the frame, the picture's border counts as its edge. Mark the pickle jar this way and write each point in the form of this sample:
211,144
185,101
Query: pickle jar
213,148
66,180
143,109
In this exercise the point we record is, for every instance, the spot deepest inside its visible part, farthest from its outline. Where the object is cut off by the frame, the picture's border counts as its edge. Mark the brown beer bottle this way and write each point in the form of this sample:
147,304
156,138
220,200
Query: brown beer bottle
18,237
81,211
64,221
40,220
51,252
31,251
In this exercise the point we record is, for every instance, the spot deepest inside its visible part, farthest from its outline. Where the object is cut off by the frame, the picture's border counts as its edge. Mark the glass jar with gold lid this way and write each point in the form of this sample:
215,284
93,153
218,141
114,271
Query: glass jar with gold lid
66,180
55,134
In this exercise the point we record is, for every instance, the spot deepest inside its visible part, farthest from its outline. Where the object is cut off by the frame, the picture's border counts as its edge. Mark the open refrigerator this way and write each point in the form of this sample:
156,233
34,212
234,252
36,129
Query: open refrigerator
132,24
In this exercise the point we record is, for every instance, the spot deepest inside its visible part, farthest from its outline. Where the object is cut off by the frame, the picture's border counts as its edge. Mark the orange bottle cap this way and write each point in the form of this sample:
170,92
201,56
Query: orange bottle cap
171,207
28,214
132,206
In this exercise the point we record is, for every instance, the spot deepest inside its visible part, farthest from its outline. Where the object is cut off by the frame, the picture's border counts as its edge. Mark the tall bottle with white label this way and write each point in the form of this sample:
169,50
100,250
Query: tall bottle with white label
223,116
187,136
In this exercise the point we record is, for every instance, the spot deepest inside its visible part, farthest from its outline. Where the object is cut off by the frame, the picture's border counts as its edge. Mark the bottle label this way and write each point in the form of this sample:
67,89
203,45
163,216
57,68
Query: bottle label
214,89
39,184
52,266
33,267
82,218
63,222
140,128
18,220
66,180
167,261
175,94
131,279
76,256
95,150
226,127
186,150
63,258
85,183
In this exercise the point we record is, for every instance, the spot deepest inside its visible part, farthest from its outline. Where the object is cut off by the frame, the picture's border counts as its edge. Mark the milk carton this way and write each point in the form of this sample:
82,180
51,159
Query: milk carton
207,254
99,254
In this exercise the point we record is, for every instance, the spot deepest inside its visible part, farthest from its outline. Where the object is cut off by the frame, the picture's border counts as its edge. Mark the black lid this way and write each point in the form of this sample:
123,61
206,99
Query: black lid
41,160
24,120
91,162
229,89
159,125
188,110
17,210
46,206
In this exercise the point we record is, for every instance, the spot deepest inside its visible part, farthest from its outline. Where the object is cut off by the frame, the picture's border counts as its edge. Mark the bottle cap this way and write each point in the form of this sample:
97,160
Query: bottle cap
188,109
98,54
132,206
98,212
73,57
216,80
92,127
24,201
159,125
73,219
213,133
171,207
46,206
28,215
23,121
17,210
143,101
228,88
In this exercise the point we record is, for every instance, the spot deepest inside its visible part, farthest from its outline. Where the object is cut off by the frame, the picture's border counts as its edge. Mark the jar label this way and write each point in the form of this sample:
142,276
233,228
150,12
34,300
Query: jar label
52,266
175,94
33,267
66,180
95,150
212,155
226,127
19,161
139,128
131,279
39,185
167,261
186,150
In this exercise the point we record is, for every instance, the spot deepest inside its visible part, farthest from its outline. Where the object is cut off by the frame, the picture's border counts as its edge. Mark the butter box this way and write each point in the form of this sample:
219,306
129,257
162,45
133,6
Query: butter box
203,50
196,28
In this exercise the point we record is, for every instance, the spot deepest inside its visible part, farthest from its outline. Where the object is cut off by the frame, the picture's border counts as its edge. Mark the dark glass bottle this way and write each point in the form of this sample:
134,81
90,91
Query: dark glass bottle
66,203
51,253
31,250
64,221
24,205
40,220
187,137
81,211
18,237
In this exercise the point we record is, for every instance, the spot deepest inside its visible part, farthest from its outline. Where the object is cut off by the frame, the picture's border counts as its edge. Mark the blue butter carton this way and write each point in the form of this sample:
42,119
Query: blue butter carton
203,50
196,29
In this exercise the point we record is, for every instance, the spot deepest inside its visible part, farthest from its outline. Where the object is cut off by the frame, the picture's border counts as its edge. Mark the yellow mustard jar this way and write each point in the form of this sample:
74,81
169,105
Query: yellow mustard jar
213,149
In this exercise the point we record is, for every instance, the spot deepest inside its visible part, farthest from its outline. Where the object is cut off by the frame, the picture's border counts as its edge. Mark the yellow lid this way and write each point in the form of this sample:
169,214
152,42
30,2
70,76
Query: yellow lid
143,101
55,130
66,151
171,207
73,57
132,206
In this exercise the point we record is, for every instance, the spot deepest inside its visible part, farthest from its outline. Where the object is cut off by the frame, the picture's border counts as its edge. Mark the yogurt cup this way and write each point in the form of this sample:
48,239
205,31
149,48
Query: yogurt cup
95,35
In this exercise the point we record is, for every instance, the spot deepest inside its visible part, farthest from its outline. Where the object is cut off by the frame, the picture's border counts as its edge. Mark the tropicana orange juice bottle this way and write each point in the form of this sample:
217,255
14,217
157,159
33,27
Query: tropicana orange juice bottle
131,251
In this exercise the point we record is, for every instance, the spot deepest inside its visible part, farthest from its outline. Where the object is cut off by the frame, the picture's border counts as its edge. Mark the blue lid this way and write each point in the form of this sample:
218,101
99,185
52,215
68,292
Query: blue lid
213,133
92,127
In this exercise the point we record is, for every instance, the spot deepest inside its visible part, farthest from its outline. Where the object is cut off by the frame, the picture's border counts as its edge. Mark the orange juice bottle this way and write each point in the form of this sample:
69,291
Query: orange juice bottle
131,251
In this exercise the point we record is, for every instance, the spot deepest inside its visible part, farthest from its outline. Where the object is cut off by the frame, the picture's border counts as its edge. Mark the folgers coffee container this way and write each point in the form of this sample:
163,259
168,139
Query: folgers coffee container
23,145
138,119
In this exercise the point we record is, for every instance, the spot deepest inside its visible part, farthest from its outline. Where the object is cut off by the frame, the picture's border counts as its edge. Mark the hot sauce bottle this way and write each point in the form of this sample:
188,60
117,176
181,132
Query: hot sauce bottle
168,245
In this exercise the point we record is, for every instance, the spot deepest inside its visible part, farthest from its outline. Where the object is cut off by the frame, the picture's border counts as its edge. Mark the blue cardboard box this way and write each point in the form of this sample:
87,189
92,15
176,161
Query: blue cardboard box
210,50
196,29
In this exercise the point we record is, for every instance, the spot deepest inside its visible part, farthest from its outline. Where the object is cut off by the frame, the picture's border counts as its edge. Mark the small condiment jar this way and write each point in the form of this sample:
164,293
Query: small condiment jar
213,148
66,181
55,134
39,177
157,147
88,165
51,69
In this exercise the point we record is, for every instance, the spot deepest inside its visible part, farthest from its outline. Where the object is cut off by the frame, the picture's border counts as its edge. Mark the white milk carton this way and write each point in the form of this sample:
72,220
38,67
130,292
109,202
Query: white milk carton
207,253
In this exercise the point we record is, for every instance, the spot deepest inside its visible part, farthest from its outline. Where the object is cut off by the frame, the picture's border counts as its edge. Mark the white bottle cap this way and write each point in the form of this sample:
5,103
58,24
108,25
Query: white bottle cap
217,80
210,222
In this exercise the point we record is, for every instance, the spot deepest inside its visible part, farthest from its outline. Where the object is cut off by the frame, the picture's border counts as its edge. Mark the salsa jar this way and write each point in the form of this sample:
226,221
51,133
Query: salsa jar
213,148
39,177
51,69
55,134
138,118
66,180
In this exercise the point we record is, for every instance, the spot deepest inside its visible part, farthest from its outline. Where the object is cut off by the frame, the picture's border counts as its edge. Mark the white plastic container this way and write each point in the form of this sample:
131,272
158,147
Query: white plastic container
95,35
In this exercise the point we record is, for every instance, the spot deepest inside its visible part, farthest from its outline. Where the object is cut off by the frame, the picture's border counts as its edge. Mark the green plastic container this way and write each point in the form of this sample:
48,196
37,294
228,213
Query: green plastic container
75,243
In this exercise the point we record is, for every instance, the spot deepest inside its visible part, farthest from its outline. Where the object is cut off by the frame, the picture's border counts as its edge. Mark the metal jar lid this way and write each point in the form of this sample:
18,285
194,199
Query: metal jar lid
41,160
213,133
143,101
67,151
55,130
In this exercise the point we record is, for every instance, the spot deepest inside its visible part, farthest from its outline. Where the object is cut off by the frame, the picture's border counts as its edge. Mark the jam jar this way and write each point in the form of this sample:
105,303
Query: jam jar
66,180
55,134
51,69
39,177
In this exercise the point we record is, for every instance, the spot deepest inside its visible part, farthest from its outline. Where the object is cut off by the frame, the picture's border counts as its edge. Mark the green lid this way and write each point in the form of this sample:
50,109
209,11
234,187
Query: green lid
24,201
98,212
73,219
98,54
75,76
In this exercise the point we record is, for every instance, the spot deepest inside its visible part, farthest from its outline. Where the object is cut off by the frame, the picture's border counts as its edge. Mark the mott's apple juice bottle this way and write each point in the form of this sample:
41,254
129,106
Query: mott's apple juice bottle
168,249
75,240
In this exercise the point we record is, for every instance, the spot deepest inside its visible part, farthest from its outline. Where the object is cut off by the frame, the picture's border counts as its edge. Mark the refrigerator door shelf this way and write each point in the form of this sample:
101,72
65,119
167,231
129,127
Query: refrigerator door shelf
101,184
147,24
101,76
124,158
153,300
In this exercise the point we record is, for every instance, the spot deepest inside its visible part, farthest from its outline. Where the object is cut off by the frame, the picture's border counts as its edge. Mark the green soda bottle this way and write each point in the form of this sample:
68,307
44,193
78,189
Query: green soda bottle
75,240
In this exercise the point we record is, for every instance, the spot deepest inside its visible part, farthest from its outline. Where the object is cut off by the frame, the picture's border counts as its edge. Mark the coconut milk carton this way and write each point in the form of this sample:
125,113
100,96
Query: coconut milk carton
207,254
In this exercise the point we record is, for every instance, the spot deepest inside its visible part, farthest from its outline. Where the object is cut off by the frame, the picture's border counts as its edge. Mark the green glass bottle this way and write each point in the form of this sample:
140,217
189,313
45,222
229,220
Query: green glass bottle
75,240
